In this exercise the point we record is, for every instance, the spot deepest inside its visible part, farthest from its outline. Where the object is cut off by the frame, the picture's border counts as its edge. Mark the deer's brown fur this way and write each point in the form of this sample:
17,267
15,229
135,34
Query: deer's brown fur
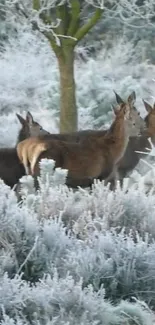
87,135
97,155
11,169
131,157
84,135
28,151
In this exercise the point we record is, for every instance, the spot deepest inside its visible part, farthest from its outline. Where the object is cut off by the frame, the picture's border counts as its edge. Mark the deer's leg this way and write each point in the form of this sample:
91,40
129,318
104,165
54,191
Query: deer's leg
122,173
107,173
25,163
82,182
113,178
36,153
36,183
26,169
32,164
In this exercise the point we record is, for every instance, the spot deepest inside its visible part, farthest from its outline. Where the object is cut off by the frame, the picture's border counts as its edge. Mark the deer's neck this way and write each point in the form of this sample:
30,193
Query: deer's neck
117,139
22,136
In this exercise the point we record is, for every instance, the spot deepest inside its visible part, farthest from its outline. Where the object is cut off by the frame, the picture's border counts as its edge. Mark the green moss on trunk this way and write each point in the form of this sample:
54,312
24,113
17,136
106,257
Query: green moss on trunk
68,108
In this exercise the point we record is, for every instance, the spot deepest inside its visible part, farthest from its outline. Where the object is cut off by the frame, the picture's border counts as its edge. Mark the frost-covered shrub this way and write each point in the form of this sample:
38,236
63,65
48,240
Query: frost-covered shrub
103,209
92,245
85,211
25,244
124,267
64,301
28,86
144,178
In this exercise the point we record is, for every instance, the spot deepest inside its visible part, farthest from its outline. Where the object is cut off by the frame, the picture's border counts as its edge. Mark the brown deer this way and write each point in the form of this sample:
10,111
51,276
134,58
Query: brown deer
84,134
11,170
131,157
28,152
95,156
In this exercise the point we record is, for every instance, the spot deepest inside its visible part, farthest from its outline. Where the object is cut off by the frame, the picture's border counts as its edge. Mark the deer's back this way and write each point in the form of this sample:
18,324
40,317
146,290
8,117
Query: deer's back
87,159
74,137
11,170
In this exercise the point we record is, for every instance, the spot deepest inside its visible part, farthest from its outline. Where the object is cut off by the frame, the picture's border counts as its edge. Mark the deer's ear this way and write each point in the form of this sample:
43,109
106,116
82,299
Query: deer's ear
21,119
147,106
118,99
132,98
125,110
115,109
29,118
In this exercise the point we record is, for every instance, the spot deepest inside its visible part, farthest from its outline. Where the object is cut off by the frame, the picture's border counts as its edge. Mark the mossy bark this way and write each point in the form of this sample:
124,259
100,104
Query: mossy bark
68,108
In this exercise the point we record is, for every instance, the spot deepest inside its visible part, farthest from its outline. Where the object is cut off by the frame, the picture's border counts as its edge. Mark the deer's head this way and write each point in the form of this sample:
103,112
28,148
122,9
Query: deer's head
132,115
150,118
30,128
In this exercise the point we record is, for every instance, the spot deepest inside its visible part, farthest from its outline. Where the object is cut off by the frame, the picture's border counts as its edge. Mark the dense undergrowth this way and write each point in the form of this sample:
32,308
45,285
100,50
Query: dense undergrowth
76,257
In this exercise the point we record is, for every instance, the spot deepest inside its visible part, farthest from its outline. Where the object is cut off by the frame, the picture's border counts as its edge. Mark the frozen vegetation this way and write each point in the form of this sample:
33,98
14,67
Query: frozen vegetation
66,257
76,257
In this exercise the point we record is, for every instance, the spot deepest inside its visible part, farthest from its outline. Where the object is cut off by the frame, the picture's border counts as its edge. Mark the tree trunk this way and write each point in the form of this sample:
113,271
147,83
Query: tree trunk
68,109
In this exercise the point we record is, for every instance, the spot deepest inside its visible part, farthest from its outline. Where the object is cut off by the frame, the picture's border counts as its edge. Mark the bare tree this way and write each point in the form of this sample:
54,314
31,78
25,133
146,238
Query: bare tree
64,24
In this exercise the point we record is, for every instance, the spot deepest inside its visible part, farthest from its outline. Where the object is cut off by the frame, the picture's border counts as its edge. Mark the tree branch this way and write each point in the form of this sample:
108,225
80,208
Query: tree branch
47,20
91,23
75,12
63,15
57,49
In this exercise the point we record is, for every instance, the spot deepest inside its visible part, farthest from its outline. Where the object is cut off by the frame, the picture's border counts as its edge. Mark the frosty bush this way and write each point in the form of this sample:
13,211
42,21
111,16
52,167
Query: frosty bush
25,87
9,127
145,180
66,303
84,211
124,267
92,246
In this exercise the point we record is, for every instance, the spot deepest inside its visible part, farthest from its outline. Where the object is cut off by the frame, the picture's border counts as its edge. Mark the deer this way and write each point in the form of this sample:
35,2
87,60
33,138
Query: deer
83,135
94,157
131,157
28,153
11,170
